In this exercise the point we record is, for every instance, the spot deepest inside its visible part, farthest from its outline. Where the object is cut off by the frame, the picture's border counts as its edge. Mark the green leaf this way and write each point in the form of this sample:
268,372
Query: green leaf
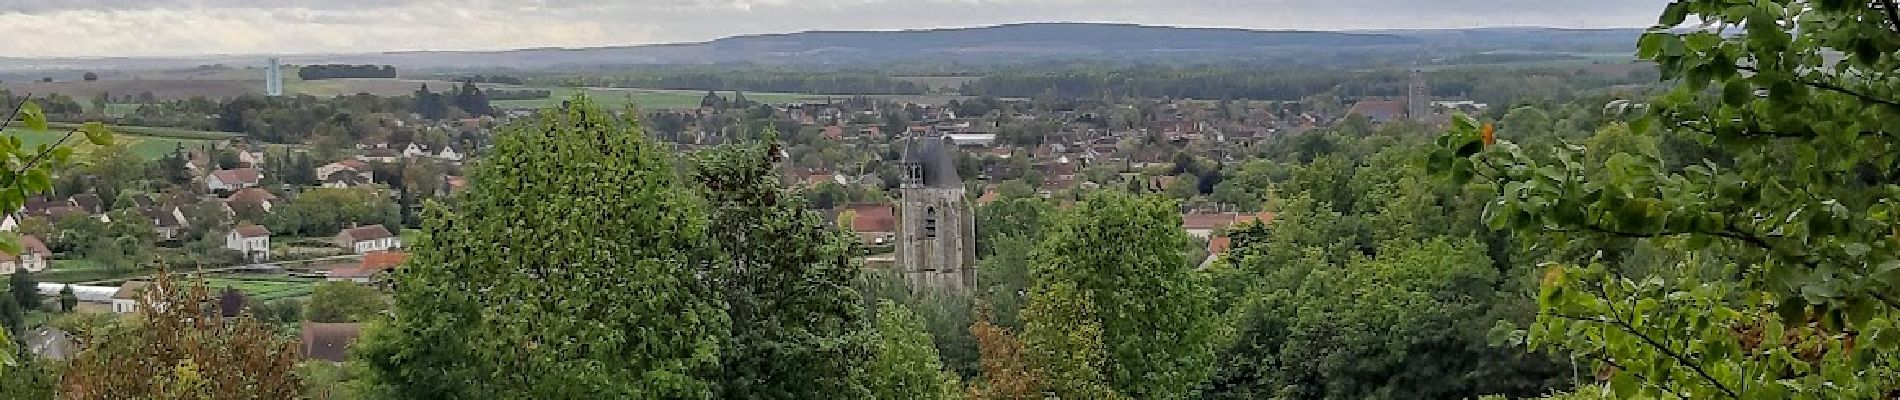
1736,92
97,133
32,116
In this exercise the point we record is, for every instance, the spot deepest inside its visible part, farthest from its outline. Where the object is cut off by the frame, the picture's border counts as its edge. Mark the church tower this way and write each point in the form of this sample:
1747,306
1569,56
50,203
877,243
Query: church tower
936,242
1418,96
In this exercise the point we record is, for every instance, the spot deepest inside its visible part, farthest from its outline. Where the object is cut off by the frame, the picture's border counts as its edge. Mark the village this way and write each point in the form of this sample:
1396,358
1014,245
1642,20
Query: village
268,223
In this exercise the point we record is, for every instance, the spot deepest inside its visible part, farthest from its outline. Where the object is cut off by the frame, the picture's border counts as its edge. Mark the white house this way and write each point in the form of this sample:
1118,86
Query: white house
251,159
126,300
251,240
449,153
32,258
414,150
232,179
9,224
365,239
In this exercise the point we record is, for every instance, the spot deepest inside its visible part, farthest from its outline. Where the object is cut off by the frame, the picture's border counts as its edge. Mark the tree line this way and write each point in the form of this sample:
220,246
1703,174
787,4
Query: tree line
830,83
334,71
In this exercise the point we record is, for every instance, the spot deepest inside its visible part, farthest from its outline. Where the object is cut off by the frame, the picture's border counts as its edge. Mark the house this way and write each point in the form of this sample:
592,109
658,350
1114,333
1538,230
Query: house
365,239
232,179
250,159
89,202
344,179
32,257
329,341
1379,110
875,224
355,166
126,300
251,240
166,220
372,269
414,150
379,155
251,197
449,153
1203,225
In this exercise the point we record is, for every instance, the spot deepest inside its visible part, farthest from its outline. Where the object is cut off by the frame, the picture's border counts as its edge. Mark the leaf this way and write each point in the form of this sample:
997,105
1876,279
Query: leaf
97,133
32,116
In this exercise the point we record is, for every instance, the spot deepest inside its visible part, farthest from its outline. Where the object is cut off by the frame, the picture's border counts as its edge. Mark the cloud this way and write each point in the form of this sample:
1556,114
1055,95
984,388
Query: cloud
180,27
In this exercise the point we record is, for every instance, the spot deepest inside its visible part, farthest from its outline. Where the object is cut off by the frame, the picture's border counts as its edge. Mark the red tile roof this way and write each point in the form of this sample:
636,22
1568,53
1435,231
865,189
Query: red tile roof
329,341
873,218
251,196
251,231
32,245
1219,244
240,175
363,233
383,260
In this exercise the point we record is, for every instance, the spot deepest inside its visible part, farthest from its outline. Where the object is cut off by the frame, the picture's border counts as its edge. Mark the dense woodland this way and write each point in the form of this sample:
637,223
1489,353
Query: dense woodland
1732,236
334,71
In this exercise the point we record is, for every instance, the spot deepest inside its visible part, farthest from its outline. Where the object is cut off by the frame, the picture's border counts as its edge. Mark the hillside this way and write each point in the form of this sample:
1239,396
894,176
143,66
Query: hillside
992,44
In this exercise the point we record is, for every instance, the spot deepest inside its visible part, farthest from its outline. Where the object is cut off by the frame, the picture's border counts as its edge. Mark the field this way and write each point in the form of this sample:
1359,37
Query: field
147,142
161,88
75,271
264,287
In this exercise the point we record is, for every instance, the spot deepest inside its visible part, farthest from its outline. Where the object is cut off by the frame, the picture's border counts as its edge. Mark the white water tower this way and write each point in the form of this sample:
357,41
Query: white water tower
273,79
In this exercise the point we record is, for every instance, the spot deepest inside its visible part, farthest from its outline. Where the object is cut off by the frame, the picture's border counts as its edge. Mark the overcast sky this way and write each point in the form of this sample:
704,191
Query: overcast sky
58,28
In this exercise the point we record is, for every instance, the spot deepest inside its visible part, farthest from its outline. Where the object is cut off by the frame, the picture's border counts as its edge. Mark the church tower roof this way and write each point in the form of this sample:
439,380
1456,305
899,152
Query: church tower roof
937,160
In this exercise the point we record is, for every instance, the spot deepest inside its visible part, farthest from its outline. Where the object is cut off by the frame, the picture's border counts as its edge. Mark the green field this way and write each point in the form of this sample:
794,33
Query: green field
651,99
74,271
264,287
148,142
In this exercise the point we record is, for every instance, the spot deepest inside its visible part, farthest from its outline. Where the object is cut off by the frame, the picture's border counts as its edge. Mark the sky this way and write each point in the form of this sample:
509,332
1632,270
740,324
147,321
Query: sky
111,28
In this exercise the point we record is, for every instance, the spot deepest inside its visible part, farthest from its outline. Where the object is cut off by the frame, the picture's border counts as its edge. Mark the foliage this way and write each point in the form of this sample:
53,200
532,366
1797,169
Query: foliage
326,211
28,378
1006,372
570,269
24,289
1127,318
68,301
343,301
182,347
1776,262
786,283
904,363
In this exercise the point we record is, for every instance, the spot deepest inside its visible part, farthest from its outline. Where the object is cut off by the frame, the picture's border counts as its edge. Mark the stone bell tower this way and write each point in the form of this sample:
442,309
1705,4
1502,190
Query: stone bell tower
936,242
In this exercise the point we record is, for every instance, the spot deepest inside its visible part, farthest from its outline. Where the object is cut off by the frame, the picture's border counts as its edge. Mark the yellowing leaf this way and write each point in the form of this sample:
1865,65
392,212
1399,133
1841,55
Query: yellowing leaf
97,133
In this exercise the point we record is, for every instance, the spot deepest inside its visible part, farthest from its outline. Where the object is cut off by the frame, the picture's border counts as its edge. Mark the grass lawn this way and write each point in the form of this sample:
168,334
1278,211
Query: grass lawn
650,99
138,139
265,287
73,271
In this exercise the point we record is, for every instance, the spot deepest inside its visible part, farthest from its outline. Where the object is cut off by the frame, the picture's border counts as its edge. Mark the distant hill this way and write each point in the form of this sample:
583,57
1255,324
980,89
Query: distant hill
1004,43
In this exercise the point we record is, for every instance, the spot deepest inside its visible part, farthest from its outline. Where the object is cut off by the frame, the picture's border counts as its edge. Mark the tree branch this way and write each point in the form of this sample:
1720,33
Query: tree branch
16,111
1824,85
1680,358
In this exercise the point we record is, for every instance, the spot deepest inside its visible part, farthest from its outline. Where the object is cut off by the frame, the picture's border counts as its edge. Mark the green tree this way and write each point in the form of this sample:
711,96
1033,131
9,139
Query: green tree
25,291
786,280
68,301
571,268
343,301
1114,307
904,363
1774,269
